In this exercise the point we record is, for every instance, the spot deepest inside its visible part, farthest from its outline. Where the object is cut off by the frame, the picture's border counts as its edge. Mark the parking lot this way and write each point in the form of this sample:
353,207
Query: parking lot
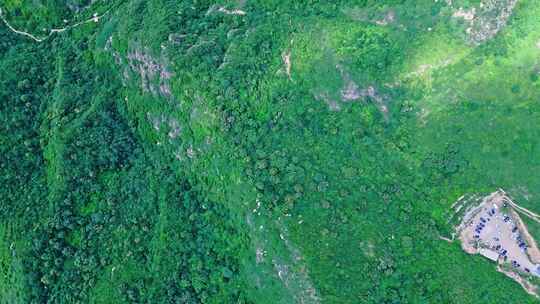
496,232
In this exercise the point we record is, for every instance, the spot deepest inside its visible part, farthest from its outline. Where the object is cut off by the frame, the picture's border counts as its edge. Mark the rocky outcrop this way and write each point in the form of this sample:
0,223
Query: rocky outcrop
486,20
154,73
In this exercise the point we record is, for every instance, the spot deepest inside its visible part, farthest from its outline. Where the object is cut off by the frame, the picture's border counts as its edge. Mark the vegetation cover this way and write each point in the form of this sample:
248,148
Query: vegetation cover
260,151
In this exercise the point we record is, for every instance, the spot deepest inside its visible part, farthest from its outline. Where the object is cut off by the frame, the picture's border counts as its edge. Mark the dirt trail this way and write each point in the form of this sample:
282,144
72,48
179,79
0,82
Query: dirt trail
529,287
95,18
535,217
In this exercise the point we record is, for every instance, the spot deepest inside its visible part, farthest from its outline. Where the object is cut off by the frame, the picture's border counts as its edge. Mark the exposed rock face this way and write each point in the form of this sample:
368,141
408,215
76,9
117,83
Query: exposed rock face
220,9
78,6
288,265
286,56
298,282
351,92
388,18
155,75
384,18
295,276
333,105
486,20
163,121
176,39
175,129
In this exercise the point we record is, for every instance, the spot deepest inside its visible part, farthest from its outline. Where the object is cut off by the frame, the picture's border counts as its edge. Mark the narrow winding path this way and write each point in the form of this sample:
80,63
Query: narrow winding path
95,18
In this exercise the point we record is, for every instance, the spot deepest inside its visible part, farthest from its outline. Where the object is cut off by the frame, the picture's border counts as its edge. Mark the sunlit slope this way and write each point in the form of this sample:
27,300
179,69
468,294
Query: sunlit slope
484,107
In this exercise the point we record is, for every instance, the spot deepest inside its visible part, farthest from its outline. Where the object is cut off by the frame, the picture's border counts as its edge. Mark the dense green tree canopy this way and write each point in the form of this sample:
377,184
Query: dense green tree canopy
260,151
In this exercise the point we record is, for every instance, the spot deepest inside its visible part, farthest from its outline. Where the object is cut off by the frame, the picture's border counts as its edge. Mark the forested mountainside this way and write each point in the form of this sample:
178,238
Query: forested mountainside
260,151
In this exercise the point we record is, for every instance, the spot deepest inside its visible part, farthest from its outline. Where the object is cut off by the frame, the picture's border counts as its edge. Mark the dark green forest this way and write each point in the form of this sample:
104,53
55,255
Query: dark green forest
260,151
